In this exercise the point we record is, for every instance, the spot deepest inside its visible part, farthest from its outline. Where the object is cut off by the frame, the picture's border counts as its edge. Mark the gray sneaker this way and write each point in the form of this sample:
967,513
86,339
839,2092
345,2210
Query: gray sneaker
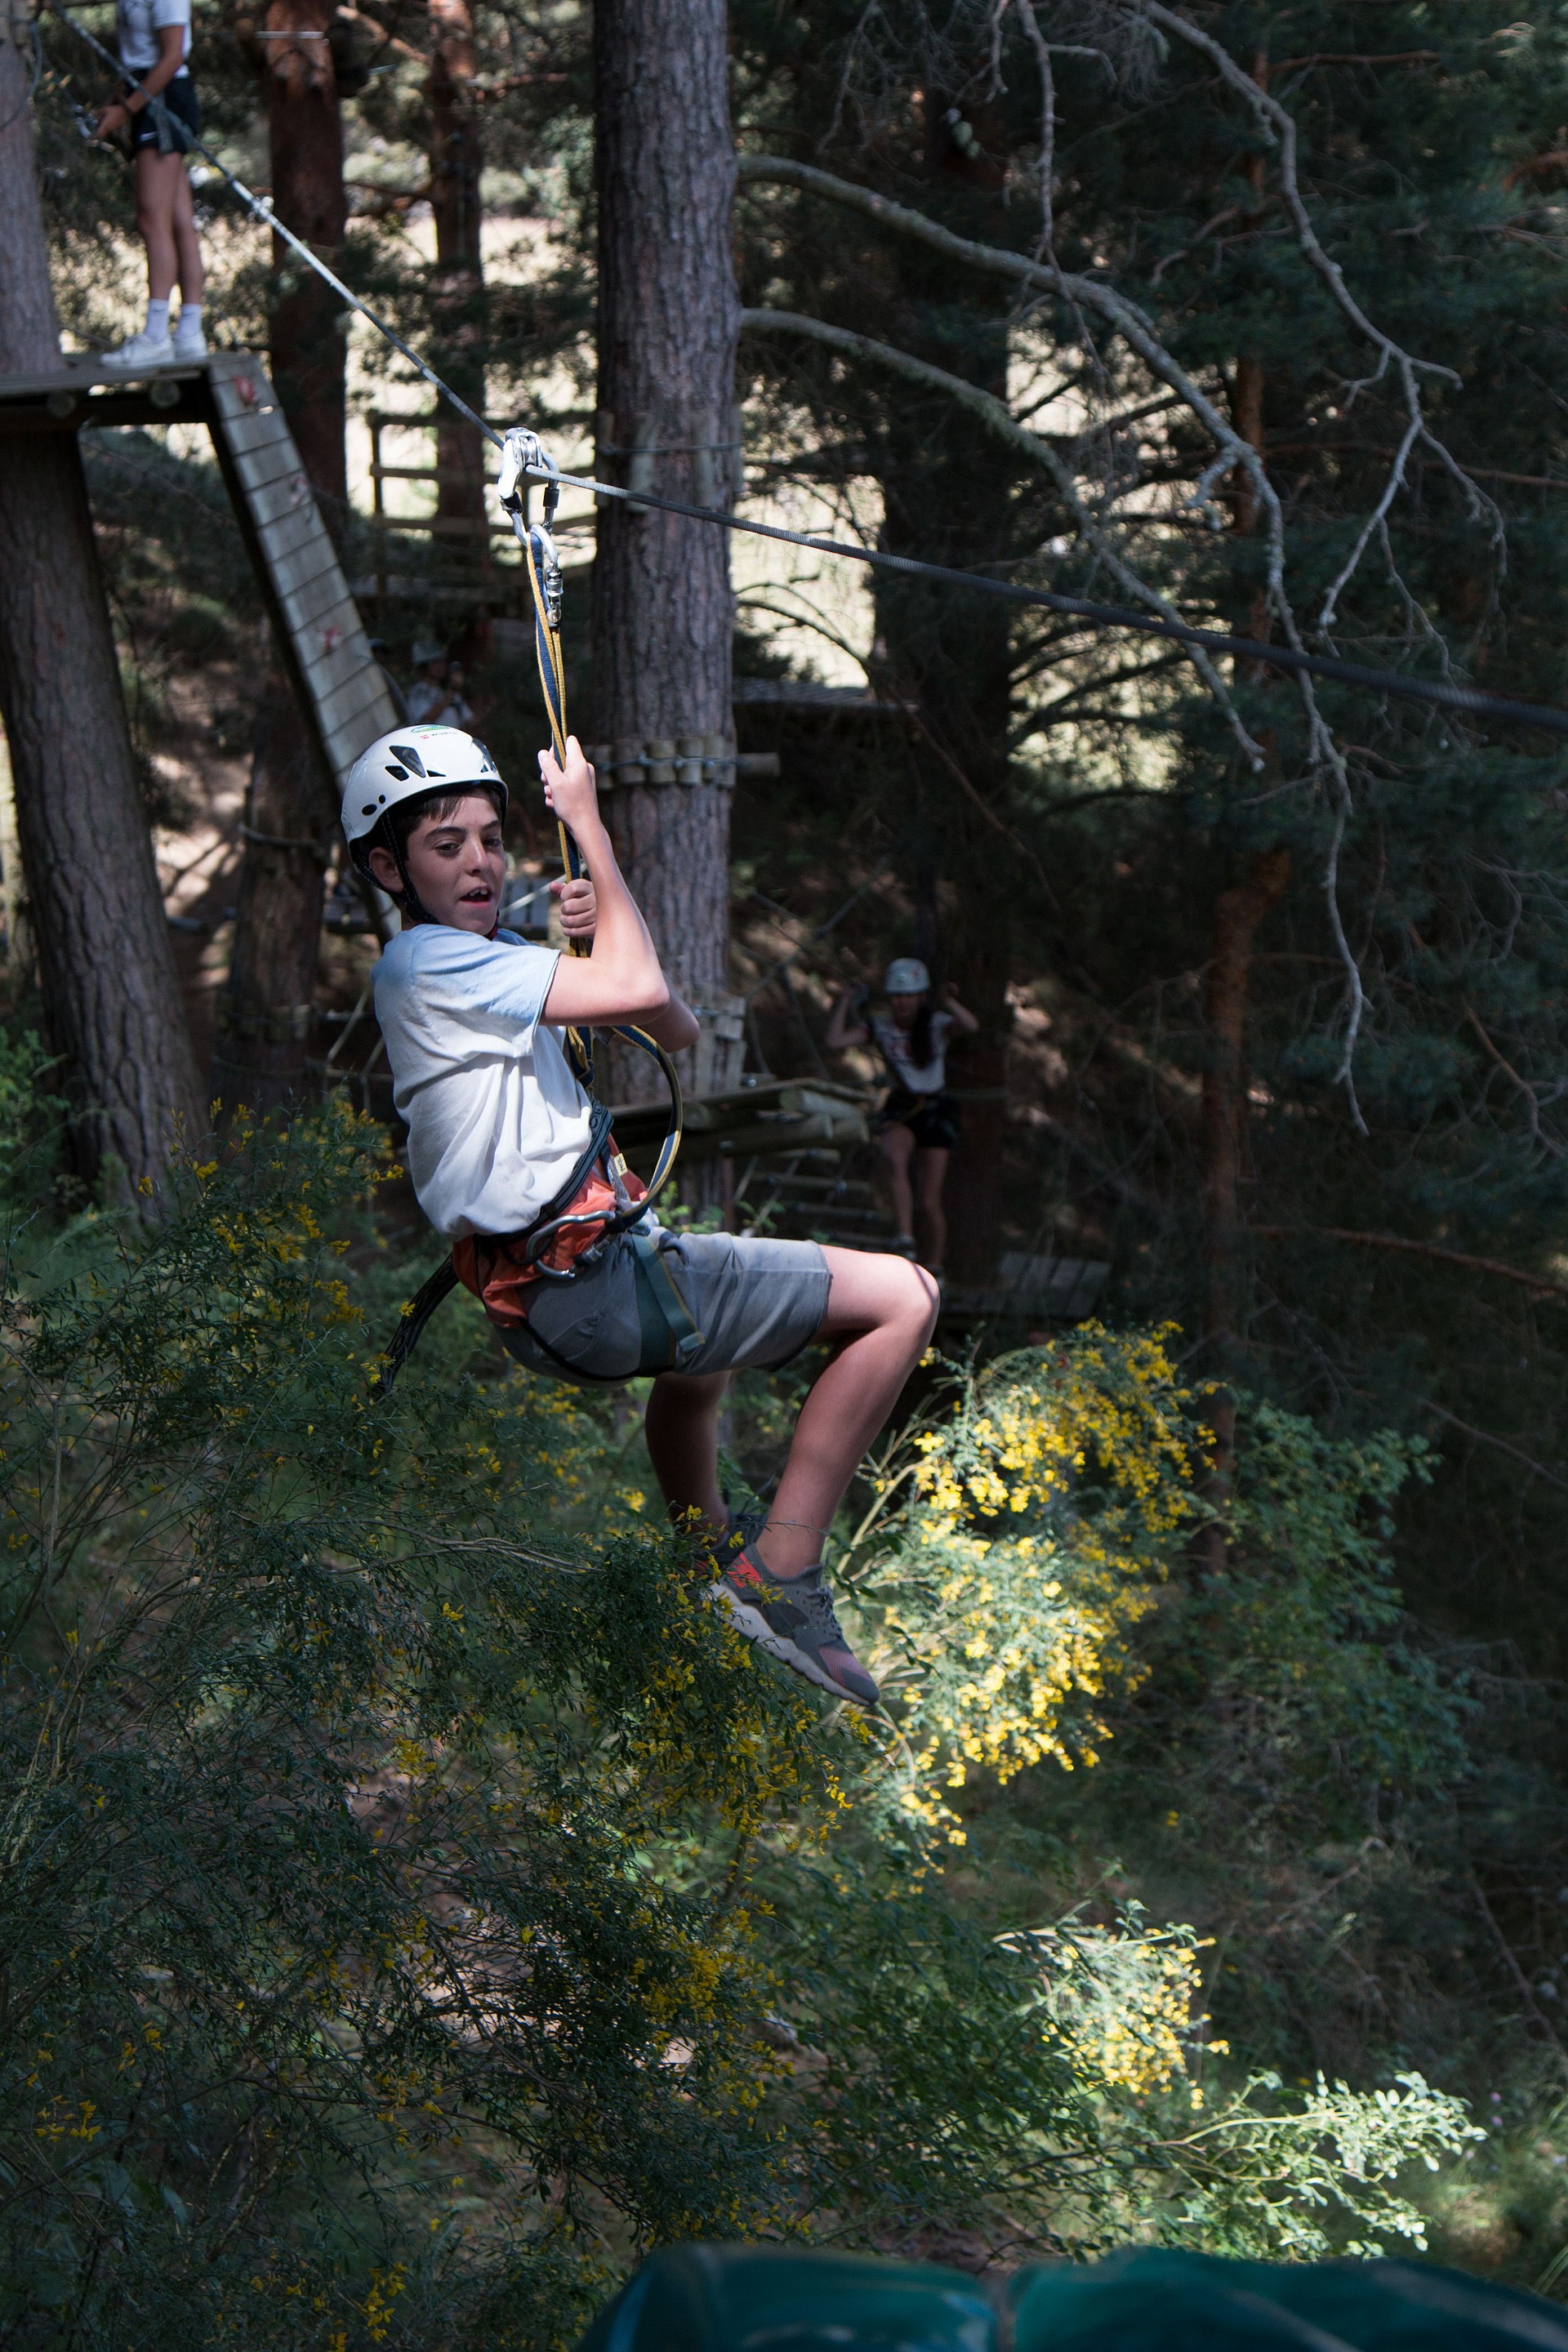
792,1618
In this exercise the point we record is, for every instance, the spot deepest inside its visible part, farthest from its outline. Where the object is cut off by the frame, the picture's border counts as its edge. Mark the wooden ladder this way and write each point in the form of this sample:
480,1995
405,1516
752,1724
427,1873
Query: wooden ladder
340,683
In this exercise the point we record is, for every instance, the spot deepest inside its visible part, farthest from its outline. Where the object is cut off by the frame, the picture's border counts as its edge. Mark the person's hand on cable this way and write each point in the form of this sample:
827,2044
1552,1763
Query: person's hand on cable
579,907
846,1025
570,792
111,119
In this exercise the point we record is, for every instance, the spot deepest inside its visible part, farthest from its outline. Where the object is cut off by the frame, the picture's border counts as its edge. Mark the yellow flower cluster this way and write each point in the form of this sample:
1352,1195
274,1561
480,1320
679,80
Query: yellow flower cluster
1001,1636
1124,1997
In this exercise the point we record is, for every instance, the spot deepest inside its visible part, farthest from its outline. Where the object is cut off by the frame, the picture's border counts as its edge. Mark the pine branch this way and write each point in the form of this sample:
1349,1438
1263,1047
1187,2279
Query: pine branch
1544,1285
999,419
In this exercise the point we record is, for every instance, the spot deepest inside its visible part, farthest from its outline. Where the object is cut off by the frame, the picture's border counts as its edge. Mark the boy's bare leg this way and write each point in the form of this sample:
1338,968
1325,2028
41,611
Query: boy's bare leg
880,1312
681,1428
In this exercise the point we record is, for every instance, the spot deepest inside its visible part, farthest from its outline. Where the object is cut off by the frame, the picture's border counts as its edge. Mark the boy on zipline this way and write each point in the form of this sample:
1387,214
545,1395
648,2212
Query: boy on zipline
503,1139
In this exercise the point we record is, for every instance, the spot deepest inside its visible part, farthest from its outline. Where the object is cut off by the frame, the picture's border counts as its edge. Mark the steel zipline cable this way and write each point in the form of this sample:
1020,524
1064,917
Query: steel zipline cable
1440,692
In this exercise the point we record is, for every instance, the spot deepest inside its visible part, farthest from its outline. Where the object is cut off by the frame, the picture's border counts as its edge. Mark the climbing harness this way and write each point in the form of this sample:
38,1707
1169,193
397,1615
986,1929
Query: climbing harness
1292,659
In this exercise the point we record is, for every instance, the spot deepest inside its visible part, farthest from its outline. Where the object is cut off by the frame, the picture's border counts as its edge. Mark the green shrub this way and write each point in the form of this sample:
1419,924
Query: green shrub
415,1899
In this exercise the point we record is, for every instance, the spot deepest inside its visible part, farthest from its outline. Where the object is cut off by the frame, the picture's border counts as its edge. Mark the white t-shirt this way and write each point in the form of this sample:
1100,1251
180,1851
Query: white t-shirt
893,1045
137,24
495,1120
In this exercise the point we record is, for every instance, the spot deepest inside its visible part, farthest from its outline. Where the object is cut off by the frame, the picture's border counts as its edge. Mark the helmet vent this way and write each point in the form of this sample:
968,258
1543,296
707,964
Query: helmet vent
400,773
406,751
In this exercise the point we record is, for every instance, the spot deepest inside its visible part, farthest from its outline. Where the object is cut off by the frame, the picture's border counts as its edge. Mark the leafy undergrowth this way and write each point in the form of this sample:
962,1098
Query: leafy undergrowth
415,1900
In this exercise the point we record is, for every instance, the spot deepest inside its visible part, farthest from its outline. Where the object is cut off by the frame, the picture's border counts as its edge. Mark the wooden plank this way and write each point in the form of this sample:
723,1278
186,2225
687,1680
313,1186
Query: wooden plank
345,741
329,661
252,431
360,692
257,467
288,494
346,691
358,733
89,373
323,602
290,533
228,372
293,573
355,706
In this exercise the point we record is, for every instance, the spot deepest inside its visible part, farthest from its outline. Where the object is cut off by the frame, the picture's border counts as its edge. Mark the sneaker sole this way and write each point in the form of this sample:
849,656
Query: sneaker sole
755,1627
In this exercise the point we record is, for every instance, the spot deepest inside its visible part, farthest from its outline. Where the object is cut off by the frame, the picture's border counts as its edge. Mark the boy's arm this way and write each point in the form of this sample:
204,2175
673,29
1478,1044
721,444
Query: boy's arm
621,978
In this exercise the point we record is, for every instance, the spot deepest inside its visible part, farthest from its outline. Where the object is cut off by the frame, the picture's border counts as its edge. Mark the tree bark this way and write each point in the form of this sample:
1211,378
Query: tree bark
305,136
663,612
266,1014
457,159
106,971
264,1018
1236,916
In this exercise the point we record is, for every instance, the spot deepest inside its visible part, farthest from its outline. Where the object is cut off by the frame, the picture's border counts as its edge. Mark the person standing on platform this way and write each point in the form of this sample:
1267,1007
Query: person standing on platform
918,1123
154,42
435,696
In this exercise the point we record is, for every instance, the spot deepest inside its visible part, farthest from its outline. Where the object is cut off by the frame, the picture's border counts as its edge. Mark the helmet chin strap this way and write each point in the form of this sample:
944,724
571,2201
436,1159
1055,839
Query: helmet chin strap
409,902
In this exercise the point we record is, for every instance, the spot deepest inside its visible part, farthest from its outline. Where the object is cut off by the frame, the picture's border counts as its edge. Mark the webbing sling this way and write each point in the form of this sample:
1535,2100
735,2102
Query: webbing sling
668,1336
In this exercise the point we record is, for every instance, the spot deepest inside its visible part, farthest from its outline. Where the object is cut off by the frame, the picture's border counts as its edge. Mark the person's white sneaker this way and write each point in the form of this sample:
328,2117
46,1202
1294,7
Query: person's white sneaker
191,346
142,351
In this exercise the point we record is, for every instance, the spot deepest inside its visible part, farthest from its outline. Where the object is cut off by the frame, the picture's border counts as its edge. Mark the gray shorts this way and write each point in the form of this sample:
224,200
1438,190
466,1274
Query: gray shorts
757,1302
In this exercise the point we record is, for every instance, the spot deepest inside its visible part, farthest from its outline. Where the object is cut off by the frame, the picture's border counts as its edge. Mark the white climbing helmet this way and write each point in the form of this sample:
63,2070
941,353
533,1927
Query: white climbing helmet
907,976
409,764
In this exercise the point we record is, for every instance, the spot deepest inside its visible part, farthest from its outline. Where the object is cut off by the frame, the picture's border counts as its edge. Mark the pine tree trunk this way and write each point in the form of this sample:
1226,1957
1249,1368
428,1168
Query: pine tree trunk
264,1020
266,1015
107,974
1236,916
663,612
456,158
305,136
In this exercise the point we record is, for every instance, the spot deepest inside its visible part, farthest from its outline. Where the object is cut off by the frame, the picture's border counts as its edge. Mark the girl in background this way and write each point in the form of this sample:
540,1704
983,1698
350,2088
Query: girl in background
919,1120
154,42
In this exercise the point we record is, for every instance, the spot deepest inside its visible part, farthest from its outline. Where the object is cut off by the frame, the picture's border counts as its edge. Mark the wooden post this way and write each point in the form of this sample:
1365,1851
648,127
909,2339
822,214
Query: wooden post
663,612
106,970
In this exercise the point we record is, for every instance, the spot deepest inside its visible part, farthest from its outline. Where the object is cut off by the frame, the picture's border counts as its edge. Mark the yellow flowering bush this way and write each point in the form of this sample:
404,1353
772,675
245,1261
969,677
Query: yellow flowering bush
1015,1537
1125,1998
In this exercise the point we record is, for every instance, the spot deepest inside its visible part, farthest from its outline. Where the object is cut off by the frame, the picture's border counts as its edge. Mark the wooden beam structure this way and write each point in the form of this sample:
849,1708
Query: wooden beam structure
339,681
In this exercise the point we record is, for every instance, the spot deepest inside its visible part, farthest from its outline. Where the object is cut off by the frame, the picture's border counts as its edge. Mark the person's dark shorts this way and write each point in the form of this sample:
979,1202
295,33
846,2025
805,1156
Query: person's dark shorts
174,136
932,1119
756,1301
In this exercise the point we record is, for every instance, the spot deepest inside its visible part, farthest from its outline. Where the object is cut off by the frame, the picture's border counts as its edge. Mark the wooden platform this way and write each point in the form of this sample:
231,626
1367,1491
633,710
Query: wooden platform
336,678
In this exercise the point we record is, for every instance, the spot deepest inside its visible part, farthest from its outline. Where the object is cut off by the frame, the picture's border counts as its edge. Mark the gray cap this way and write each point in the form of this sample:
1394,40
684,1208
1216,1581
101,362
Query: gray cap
907,976
425,650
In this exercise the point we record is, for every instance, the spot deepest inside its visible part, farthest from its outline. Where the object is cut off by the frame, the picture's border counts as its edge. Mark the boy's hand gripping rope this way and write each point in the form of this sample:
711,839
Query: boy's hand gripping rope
524,458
